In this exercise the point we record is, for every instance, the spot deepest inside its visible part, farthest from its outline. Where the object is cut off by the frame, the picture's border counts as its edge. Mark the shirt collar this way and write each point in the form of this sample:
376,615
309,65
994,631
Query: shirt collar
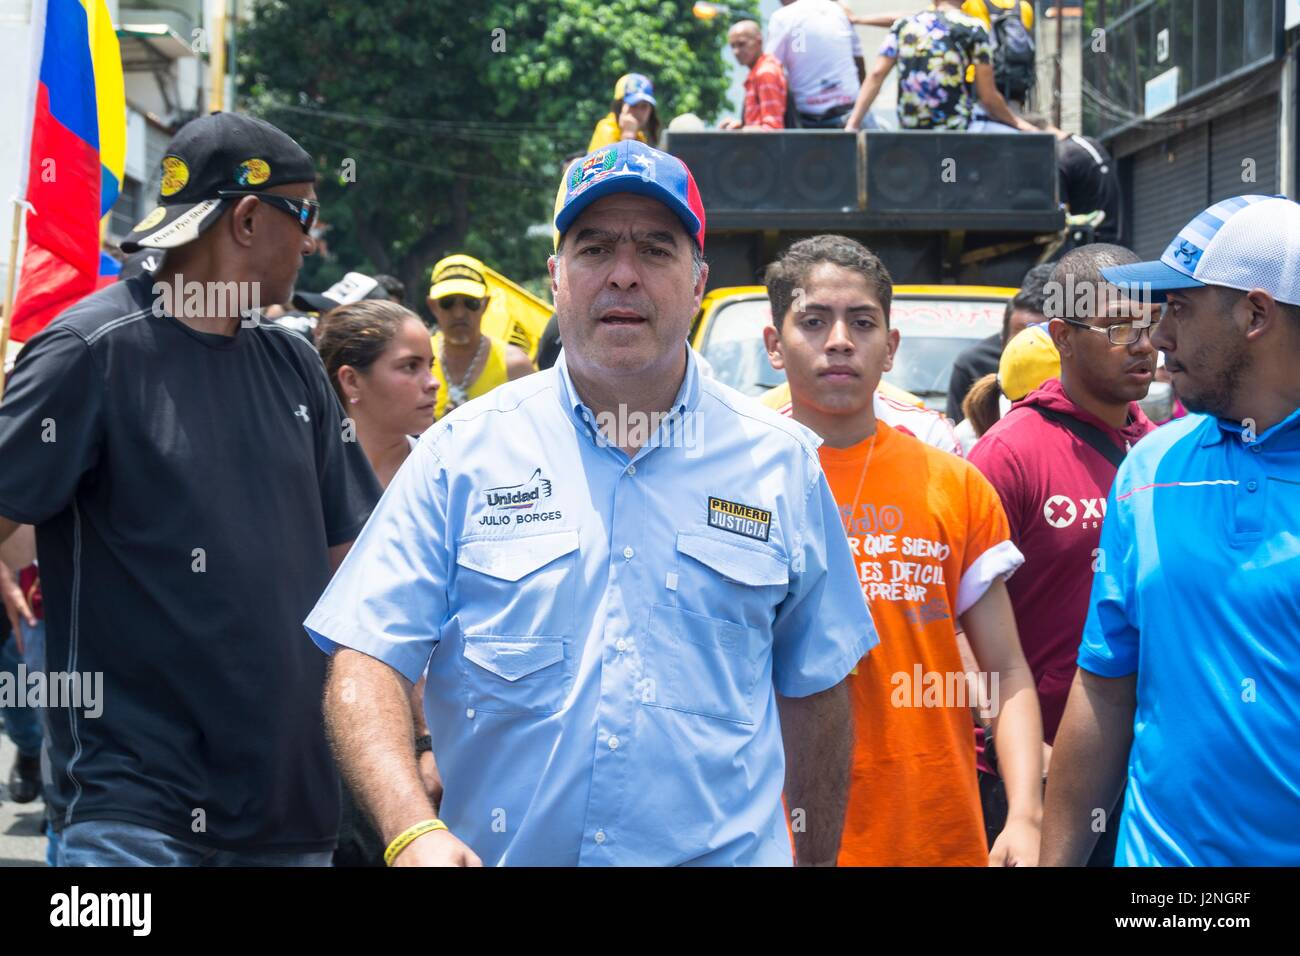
584,419
1227,428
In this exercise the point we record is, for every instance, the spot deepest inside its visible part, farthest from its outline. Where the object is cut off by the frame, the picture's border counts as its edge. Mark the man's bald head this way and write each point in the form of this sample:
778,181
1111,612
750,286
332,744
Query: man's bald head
746,41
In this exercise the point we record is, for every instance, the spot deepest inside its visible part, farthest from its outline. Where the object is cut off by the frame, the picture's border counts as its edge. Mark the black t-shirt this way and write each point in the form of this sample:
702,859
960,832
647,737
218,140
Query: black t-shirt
1090,181
185,488
971,364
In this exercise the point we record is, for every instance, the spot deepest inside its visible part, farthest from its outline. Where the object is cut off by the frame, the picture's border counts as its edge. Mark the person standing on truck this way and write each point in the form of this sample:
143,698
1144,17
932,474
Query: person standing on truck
1010,26
469,362
935,51
765,88
1089,179
632,115
823,56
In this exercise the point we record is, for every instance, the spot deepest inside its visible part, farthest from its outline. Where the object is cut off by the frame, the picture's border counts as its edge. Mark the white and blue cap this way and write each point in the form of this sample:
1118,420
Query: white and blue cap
1244,243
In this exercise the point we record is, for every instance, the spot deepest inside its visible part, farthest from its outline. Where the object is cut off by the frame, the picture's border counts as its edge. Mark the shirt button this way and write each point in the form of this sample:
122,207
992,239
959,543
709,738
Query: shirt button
600,836
628,552
470,713
613,743
631,469
621,645
1251,486
1255,449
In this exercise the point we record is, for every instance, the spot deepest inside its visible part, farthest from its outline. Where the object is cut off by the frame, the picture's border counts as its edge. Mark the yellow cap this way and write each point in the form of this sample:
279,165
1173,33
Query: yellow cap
1028,361
458,275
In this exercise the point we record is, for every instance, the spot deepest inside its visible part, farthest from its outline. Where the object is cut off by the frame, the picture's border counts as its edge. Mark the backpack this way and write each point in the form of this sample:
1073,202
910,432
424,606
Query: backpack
1013,53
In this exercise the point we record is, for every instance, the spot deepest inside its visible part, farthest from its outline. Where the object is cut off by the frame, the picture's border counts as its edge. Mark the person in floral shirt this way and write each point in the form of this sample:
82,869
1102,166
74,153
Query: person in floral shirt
933,50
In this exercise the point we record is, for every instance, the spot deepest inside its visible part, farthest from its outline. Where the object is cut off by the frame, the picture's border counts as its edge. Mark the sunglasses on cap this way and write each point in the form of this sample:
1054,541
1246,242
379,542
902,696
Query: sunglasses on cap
306,211
449,302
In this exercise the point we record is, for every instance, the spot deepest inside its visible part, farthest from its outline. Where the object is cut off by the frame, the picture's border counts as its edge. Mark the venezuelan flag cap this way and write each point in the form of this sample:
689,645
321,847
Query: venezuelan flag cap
630,166
210,162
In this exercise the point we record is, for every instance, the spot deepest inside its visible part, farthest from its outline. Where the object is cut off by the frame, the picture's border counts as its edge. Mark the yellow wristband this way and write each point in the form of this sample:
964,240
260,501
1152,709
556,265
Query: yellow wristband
408,836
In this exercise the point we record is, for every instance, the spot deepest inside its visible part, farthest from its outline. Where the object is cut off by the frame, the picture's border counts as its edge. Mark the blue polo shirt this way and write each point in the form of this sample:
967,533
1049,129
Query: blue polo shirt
1199,595
605,638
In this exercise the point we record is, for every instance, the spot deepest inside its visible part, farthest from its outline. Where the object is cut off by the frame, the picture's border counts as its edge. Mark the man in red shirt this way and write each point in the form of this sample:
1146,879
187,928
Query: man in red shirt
1053,457
765,84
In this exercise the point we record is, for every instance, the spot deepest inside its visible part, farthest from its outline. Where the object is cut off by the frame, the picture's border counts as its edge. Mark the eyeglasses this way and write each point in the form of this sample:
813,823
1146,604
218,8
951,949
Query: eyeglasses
306,211
1121,333
448,302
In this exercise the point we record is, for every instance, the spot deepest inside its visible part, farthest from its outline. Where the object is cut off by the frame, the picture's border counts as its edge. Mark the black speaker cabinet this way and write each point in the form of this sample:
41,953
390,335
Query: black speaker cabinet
751,177
804,171
960,172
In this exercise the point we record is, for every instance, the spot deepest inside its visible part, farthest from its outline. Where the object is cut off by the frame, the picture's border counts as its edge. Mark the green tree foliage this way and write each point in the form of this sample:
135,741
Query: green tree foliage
456,117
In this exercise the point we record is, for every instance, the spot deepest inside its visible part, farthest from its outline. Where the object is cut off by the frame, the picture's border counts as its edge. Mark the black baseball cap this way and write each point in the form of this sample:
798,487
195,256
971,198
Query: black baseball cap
209,155
144,262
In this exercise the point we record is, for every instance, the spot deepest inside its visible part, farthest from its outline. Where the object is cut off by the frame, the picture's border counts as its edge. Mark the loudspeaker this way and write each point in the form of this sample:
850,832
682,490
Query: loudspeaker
790,171
961,172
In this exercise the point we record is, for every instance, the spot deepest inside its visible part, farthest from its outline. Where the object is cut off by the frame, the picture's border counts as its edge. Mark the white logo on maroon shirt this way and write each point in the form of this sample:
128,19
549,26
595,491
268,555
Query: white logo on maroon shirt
1060,511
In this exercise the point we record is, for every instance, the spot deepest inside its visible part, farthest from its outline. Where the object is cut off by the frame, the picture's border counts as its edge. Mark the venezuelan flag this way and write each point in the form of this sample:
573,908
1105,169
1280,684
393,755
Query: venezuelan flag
76,158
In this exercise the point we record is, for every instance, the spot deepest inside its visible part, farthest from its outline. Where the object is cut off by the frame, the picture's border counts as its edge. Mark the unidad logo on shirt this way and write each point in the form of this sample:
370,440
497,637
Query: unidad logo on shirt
739,519
526,494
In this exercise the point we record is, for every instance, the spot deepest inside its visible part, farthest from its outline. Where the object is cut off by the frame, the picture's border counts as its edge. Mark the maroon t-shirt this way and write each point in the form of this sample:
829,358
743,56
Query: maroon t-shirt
1053,487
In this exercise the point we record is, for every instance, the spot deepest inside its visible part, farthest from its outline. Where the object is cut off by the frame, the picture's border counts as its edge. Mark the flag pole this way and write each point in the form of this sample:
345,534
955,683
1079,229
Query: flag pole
10,282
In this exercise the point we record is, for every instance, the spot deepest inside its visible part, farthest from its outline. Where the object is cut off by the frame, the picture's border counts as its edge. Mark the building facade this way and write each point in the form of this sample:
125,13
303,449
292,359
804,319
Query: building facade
1197,101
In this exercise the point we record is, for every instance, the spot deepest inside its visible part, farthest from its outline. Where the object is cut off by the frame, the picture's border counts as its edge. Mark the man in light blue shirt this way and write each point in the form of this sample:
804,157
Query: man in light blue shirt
626,580
1187,669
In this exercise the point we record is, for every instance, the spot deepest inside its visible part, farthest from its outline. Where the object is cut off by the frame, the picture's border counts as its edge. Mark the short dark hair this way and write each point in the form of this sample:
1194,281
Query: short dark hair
1083,267
392,285
1032,296
790,271
1032,292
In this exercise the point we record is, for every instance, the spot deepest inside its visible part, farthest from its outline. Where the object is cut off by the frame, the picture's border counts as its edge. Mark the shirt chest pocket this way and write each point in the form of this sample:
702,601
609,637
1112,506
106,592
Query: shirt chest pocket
705,654
514,607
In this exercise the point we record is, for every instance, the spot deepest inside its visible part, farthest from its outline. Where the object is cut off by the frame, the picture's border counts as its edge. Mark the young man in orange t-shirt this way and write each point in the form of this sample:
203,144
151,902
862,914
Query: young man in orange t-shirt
932,547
